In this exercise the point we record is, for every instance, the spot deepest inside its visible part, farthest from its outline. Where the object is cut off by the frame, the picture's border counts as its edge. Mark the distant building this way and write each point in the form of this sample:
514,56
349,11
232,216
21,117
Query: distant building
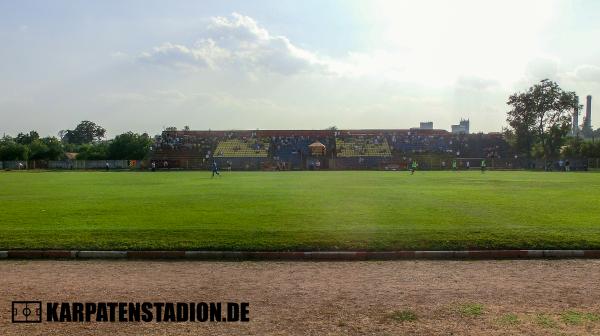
428,125
587,129
587,122
575,130
462,127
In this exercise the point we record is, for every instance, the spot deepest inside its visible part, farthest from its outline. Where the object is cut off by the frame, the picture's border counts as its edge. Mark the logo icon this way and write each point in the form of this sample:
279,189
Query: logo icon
26,311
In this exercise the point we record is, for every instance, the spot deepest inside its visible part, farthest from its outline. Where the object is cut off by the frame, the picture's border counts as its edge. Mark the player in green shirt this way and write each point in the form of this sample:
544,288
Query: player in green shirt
413,167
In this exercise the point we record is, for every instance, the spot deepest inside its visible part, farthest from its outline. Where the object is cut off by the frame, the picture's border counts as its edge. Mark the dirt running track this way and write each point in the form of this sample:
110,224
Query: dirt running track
533,297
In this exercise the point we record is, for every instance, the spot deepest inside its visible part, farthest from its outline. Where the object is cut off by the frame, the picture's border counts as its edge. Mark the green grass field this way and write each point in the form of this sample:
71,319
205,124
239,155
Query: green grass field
299,210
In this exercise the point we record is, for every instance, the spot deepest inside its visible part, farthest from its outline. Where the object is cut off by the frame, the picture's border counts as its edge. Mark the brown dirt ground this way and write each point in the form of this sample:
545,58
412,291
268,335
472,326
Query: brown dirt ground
322,298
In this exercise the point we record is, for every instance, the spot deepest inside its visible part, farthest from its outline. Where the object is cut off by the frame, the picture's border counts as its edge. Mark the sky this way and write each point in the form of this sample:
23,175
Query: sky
145,65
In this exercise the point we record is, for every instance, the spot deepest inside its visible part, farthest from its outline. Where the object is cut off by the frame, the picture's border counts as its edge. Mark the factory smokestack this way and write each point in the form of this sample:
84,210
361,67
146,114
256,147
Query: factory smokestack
588,112
575,130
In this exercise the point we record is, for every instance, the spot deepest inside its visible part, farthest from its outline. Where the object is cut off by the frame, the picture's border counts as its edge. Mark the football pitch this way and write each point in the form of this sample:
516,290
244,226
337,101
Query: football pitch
274,211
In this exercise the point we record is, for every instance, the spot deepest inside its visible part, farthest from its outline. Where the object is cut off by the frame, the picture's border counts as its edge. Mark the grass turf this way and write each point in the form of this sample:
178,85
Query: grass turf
299,210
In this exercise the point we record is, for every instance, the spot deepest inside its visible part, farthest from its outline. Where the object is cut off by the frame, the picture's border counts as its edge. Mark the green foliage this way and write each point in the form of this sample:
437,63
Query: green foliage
84,140
86,132
11,150
27,139
30,147
38,150
577,147
93,151
129,146
55,150
541,116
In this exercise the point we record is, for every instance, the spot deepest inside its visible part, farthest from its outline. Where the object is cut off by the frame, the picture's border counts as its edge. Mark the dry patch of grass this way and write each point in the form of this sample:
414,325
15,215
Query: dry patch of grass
405,315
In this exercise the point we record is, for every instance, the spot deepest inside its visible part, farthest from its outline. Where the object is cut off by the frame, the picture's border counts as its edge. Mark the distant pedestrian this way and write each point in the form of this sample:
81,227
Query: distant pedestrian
454,166
215,169
468,164
153,165
483,166
567,166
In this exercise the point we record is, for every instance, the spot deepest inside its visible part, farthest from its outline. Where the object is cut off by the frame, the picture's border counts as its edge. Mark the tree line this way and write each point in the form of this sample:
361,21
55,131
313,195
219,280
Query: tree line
540,123
539,126
87,140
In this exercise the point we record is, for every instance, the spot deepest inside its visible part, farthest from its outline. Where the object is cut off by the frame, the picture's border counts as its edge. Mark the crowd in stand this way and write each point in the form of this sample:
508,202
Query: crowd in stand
289,149
413,142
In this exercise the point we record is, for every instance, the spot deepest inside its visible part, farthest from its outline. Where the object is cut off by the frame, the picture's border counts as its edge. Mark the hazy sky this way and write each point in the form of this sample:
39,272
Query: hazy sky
145,65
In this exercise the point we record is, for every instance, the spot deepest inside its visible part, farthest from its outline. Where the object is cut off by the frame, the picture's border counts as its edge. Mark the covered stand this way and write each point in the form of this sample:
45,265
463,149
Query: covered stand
317,148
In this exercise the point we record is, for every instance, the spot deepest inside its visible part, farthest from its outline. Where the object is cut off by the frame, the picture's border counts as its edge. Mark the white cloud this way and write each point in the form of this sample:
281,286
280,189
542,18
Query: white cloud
239,42
588,73
205,54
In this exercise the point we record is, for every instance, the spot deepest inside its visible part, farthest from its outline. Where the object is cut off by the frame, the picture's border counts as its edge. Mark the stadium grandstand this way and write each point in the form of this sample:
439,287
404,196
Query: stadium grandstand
327,149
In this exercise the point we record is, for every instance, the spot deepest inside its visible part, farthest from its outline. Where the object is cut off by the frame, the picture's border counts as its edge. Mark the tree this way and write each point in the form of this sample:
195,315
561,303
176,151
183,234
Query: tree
26,139
579,147
48,148
541,118
38,150
86,132
93,151
55,148
129,146
11,150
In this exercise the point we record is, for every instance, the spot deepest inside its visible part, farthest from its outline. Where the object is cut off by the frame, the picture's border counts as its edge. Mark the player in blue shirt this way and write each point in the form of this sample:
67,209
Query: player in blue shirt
215,169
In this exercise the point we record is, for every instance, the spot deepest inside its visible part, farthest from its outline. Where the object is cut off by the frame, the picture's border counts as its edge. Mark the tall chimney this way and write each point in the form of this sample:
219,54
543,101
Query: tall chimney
588,112
575,129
